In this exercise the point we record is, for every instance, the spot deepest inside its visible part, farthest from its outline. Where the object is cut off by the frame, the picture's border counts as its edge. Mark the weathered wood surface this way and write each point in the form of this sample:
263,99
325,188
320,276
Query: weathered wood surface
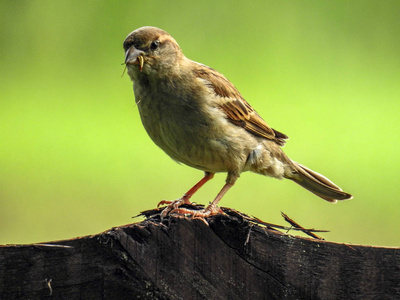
182,258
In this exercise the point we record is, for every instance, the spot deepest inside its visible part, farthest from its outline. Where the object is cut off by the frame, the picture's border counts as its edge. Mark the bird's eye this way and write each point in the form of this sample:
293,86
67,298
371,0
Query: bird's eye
154,45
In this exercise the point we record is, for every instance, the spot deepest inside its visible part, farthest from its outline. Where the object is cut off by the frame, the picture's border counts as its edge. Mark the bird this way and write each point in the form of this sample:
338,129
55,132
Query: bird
199,118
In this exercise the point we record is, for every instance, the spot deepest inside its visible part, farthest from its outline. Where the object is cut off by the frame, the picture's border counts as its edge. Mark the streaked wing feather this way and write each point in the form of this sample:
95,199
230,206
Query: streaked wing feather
238,110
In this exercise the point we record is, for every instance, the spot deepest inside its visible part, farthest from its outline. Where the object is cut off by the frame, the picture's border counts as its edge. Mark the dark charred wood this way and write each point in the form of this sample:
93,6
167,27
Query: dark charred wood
227,257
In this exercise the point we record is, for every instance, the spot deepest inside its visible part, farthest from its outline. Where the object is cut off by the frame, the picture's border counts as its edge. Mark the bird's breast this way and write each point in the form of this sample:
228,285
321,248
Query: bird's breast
191,132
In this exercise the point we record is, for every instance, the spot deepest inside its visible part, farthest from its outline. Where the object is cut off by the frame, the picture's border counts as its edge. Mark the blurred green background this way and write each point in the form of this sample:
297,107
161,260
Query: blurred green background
75,159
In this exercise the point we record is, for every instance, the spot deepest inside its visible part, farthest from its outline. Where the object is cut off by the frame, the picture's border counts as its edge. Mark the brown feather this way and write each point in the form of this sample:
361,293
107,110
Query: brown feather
238,110
317,184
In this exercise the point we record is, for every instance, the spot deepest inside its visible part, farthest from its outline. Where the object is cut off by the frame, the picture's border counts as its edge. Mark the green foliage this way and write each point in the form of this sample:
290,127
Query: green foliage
75,160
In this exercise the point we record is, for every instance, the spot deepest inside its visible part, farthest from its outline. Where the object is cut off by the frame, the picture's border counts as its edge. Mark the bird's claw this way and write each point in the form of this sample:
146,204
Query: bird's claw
164,202
198,214
172,205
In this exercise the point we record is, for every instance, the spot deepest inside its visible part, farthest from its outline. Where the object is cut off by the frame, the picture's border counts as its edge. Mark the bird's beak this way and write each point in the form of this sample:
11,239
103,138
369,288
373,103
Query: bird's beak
134,56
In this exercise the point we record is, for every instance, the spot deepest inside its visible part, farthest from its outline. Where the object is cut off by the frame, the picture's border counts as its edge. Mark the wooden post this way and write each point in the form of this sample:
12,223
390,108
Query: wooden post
183,258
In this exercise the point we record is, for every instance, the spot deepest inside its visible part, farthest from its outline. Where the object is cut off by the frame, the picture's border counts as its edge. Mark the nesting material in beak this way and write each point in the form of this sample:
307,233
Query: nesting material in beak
134,56
141,62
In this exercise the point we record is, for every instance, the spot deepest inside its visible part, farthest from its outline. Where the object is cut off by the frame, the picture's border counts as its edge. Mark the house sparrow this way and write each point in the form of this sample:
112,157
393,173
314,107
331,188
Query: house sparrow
199,118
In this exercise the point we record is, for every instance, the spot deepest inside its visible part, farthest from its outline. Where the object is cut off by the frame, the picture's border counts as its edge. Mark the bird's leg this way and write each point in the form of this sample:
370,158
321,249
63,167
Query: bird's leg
210,210
172,205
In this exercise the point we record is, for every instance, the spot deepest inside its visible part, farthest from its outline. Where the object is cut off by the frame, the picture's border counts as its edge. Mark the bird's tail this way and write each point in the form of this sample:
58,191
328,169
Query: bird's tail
317,184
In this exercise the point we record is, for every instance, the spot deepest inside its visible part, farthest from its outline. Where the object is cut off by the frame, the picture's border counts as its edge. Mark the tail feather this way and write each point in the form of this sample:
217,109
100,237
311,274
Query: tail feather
317,184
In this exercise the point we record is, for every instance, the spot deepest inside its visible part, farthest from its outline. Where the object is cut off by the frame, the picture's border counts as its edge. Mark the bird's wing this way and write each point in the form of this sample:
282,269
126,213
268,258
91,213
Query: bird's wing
238,110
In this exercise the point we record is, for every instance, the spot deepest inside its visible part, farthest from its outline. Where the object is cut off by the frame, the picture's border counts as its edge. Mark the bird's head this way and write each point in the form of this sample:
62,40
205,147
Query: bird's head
150,50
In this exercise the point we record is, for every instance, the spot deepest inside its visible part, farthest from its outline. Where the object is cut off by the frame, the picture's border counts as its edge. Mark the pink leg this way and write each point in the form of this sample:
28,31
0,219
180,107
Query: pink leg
210,210
185,198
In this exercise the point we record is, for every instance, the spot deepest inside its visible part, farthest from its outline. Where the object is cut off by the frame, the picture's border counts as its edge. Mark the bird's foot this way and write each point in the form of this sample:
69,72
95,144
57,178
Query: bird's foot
164,202
211,210
172,205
